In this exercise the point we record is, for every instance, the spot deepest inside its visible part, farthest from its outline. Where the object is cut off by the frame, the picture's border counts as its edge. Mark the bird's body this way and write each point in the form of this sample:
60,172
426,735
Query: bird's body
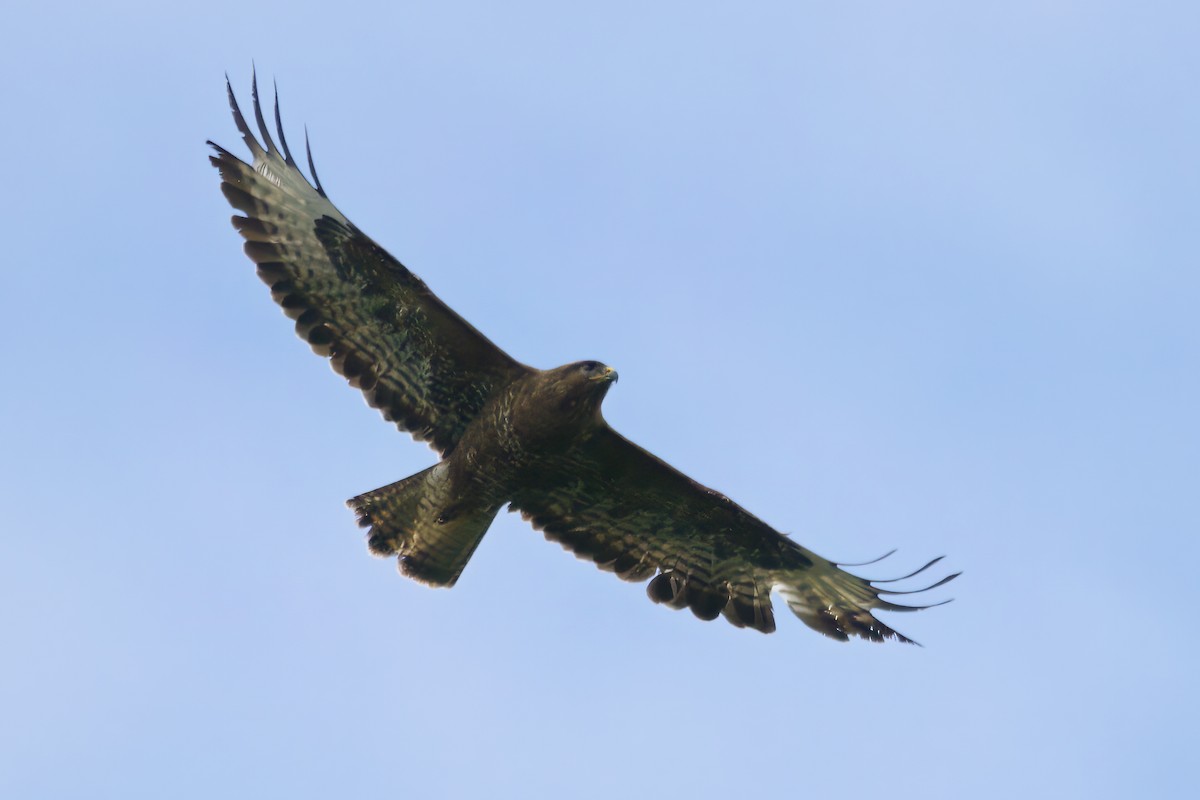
509,434
540,419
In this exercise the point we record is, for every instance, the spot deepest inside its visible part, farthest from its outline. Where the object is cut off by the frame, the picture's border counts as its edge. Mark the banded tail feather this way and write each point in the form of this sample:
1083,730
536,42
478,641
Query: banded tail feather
419,520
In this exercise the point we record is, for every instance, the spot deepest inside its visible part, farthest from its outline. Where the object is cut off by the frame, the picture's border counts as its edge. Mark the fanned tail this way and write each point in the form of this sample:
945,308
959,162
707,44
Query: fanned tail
432,533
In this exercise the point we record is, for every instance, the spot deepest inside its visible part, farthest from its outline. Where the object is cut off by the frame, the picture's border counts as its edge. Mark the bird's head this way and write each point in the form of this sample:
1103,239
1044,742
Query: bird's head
581,386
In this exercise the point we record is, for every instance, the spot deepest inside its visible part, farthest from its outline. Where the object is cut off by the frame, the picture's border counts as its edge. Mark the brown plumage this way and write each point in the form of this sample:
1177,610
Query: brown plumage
510,434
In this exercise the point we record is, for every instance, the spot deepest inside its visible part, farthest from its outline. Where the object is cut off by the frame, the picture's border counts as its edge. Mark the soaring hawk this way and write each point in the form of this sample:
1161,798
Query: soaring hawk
511,434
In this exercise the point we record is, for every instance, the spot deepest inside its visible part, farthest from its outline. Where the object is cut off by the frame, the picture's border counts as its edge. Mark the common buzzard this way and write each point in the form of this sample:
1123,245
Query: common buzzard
510,434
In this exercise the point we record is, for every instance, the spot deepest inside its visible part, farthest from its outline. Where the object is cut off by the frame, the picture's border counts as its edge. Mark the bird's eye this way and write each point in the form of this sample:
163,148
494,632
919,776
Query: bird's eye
590,366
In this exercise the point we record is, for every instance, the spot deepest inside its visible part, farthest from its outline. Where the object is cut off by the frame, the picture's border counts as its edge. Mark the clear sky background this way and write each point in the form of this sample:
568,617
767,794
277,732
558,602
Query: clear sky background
888,274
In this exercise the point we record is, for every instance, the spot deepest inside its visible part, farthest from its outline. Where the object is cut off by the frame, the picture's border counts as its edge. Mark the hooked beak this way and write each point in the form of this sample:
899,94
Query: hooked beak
609,375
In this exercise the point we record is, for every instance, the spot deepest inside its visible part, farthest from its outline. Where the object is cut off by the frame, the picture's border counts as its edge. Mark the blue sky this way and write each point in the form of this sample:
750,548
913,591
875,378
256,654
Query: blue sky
919,275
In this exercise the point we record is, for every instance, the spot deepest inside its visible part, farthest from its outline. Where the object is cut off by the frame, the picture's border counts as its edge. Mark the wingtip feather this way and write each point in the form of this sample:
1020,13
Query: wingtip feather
265,132
287,153
312,168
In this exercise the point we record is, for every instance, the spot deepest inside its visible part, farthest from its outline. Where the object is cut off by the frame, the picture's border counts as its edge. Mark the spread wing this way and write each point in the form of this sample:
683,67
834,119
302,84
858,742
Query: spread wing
633,514
423,366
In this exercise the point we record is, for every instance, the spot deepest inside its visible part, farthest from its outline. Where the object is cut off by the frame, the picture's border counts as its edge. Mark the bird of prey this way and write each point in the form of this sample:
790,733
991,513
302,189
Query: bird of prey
508,434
